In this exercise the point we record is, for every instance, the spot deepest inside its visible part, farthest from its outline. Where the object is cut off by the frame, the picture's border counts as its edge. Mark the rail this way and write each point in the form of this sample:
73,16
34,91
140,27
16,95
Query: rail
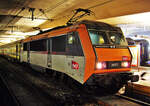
11,96
133,100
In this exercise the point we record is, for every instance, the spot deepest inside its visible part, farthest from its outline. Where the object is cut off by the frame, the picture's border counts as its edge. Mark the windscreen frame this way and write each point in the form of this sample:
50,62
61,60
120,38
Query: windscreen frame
108,38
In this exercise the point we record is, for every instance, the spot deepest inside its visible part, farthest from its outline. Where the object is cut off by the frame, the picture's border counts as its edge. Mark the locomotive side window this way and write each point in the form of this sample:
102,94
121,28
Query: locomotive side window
74,47
71,39
38,45
59,44
25,47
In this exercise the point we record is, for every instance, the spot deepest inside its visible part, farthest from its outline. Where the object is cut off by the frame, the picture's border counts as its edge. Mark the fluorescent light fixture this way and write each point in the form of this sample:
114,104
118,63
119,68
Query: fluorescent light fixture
11,36
32,33
22,33
30,23
46,29
7,40
14,36
15,33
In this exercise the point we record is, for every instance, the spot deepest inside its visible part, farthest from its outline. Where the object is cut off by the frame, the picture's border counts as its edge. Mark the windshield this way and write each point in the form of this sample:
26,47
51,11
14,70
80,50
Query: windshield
98,38
103,37
117,38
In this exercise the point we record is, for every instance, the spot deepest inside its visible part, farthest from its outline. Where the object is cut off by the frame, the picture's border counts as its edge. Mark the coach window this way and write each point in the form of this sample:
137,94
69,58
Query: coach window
38,45
25,47
59,44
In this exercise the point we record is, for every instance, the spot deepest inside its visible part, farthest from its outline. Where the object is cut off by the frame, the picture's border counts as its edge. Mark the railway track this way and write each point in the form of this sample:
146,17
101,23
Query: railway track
8,97
47,92
42,88
133,100
120,100
26,91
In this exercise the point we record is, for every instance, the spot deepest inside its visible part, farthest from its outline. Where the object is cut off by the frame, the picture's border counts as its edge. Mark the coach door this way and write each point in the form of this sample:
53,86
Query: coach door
17,51
49,57
28,52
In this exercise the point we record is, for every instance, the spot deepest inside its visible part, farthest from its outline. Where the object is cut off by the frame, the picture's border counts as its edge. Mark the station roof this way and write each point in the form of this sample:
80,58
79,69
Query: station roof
19,17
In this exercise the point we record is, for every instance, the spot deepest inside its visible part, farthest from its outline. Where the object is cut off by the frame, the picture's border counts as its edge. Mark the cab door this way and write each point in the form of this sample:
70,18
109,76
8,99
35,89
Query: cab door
69,53
74,56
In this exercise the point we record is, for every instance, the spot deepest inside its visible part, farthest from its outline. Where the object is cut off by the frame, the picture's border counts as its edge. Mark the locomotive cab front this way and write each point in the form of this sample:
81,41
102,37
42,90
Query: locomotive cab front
108,59
112,54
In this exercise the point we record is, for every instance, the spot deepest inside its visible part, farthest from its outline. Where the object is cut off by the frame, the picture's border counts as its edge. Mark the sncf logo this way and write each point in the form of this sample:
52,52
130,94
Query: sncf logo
75,65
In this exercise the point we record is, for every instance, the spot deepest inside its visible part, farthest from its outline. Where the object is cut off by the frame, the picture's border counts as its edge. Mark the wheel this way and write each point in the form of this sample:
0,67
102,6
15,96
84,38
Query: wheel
122,90
111,83
62,77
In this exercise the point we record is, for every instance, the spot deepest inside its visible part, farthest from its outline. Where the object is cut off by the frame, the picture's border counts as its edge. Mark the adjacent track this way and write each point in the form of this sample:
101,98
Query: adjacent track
8,97
133,100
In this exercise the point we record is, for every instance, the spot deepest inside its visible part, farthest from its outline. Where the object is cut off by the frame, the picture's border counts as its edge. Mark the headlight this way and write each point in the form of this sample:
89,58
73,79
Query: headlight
101,65
125,64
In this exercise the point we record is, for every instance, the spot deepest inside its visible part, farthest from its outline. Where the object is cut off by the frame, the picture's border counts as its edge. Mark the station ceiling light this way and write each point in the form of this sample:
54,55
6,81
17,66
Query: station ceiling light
22,33
12,36
140,18
8,40
31,23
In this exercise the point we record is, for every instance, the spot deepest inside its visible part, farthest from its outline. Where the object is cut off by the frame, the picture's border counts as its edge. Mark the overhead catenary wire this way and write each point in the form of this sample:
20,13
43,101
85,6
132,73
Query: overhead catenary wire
91,7
108,1
18,3
17,16
52,8
87,11
13,18
43,12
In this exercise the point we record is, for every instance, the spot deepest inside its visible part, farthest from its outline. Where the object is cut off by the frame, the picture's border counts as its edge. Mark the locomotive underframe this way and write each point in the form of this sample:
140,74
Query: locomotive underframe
113,81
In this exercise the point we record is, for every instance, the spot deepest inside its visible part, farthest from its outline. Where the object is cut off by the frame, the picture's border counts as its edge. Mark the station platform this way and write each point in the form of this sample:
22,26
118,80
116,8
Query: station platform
144,73
142,87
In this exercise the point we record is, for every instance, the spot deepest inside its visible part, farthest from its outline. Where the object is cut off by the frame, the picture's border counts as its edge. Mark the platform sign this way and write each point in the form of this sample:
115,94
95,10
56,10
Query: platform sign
135,55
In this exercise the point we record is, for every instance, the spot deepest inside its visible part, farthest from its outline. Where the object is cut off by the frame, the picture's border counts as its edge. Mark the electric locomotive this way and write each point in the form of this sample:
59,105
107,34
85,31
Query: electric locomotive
90,52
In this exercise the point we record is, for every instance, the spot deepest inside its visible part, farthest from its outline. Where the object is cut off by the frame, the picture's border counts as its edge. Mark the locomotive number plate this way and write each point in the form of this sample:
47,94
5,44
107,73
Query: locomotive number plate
113,65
